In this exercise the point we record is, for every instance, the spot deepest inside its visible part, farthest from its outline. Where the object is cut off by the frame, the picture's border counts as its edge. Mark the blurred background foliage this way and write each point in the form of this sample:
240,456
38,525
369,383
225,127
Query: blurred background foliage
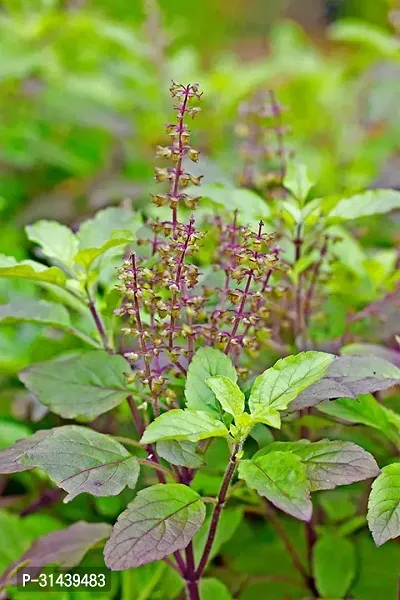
84,94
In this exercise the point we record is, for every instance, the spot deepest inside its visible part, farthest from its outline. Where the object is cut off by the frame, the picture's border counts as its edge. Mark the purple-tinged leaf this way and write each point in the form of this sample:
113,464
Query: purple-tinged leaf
82,387
65,548
388,354
384,505
329,463
80,460
281,478
348,376
10,457
160,520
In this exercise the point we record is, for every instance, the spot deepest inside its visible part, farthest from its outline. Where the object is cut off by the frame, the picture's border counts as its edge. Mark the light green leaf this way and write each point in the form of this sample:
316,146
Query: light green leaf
365,411
384,505
57,241
80,460
371,202
31,271
228,393
207,362
267,415
329,463
36,311
281,384
334,566
368,34
160,520
181,453
191,425
233,198
87,256
213,589
280,477
82,387
298,181
96,232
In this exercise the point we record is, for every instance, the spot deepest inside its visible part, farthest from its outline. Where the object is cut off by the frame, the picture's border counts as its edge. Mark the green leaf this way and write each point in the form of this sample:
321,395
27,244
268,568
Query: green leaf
207,362
87,256
177,424
228,393
297,180
35,311
80,460
233,198
329,463
57,241
361,32
160,520
384,505
213,589
347,377
32,271
366,411
181,453
281,478
82,387
96,232
267,415
371,202
281,384
334,566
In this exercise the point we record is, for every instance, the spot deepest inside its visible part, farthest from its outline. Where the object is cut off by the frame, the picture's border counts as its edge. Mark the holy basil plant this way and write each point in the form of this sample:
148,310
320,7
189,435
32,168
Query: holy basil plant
155,400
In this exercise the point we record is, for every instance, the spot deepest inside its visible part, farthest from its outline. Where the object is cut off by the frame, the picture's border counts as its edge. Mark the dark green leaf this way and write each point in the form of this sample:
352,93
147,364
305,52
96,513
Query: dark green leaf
334,566
83,387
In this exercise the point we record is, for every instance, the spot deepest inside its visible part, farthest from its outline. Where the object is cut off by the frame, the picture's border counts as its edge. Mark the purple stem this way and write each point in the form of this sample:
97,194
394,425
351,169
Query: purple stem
229,472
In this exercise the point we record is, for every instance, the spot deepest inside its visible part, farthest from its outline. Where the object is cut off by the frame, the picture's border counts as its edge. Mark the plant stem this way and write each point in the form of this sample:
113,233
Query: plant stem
178,168
98,322
229,472
192,582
